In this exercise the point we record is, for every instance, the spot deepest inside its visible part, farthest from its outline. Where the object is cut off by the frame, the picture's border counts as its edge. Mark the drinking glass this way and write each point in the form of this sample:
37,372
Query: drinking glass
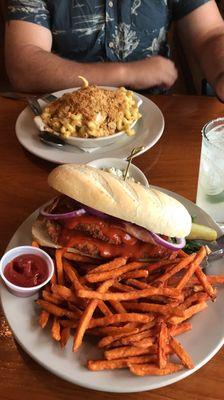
210,193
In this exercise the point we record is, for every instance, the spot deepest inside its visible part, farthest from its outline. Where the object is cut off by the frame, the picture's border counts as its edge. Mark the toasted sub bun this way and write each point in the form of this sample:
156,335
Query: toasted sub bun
126,200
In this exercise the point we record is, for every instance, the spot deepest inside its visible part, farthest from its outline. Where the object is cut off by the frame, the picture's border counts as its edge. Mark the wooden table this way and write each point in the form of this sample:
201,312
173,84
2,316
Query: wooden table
172,164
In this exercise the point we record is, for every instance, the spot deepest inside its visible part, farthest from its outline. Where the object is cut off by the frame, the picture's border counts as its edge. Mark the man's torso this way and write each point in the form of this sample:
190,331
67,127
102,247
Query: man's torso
105,30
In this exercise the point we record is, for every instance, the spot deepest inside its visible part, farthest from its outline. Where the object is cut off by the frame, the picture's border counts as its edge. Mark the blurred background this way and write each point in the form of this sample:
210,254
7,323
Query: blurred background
190,76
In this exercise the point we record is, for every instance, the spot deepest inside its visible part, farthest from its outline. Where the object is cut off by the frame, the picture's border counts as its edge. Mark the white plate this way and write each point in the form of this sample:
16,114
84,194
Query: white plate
148,131
22,317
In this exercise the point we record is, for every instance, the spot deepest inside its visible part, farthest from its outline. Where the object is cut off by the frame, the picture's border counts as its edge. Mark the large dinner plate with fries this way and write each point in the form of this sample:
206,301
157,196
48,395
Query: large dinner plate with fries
148,131
201,343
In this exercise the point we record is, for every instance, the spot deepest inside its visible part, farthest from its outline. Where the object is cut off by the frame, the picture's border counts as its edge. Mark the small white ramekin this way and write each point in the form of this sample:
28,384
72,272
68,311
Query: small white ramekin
134,172
22,250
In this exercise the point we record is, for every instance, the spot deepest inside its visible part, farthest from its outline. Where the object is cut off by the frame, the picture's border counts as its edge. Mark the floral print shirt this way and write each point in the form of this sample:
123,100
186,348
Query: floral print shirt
105,30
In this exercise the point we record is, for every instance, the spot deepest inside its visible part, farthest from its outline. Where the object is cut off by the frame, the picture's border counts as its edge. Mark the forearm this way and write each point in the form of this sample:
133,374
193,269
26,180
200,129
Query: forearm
32,67
211,58
37,70
202,35
45,72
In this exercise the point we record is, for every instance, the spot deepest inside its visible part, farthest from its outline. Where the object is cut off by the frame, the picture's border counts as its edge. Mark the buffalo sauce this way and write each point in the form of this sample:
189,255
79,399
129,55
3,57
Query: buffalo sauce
113,233
93,246
26,270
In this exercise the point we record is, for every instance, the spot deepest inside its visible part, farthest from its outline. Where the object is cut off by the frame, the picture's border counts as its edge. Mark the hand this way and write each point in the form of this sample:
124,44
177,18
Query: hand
219,87
152,71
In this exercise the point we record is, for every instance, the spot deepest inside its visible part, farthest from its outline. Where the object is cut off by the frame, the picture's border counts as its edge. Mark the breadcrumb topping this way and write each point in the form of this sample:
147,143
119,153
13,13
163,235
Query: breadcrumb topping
92,112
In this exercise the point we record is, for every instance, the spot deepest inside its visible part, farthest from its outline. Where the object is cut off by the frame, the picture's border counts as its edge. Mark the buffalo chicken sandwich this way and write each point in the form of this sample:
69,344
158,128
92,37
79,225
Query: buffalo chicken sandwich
103,216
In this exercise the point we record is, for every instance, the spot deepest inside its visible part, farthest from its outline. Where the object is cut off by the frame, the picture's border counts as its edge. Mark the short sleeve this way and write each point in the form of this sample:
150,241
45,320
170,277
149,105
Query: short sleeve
35,11
180,8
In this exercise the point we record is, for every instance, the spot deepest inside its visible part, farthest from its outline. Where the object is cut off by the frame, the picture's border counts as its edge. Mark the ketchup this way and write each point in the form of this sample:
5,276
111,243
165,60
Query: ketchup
26,270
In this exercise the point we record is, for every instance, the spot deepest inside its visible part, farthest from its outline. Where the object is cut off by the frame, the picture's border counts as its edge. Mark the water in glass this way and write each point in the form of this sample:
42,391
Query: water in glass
210,194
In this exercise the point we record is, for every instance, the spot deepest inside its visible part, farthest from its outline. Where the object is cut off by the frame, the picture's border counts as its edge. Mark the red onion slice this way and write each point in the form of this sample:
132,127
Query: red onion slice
150,237
97,213
71,214
181,242
138,232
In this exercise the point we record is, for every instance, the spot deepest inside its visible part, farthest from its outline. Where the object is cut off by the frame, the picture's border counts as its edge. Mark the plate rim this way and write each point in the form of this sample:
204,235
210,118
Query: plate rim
173,378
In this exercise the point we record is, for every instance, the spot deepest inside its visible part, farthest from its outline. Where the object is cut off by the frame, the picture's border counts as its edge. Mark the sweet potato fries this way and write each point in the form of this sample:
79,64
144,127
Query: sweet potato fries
133,309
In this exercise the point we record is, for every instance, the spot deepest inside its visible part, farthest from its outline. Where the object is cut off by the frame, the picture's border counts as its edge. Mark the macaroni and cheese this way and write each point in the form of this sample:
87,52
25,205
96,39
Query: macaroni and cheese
92,112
